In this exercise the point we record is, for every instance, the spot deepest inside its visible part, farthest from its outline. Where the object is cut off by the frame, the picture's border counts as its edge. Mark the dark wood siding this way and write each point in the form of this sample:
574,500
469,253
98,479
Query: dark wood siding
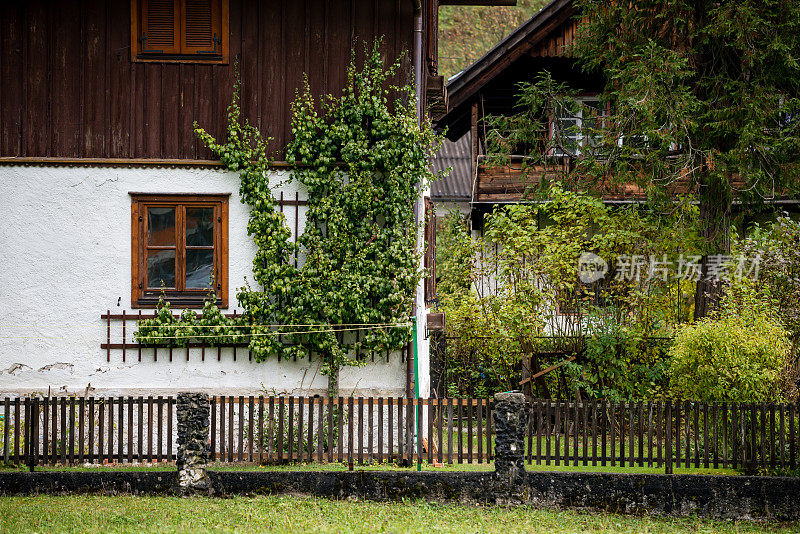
69,88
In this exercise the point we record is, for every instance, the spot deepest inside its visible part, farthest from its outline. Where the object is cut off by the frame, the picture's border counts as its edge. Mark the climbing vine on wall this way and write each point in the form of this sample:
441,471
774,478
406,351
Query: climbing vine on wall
361,157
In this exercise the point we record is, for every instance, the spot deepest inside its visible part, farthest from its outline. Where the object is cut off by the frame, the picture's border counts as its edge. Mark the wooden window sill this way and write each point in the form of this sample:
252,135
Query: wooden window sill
198,59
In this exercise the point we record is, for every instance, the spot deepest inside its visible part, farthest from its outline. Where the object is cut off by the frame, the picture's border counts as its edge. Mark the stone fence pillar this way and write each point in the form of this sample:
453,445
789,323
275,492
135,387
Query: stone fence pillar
510,420
193,413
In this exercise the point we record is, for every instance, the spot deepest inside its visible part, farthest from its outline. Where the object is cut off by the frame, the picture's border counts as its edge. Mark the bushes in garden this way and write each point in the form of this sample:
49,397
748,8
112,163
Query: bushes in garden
737,355
748,351
516,294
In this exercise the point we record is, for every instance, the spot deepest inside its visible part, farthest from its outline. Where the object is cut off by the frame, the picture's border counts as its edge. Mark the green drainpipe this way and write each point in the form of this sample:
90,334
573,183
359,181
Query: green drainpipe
416,395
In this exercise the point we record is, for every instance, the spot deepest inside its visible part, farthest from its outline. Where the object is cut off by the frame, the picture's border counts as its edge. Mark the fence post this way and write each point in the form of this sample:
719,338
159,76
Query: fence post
33,434
193,443
510,420
26,435
668,421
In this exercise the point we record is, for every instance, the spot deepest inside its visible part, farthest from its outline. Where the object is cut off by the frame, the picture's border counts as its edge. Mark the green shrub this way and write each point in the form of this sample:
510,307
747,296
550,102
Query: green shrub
620,363
777,247
738,355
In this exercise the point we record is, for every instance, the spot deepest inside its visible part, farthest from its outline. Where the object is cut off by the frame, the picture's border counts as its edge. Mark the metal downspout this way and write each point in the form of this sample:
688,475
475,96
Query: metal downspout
416,58
412,367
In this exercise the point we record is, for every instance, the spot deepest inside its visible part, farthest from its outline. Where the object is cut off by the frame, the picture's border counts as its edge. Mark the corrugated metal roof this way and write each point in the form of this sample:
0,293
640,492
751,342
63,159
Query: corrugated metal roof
456,186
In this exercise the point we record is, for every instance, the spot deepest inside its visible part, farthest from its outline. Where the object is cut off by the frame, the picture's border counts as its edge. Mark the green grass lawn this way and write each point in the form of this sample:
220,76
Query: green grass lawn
300,514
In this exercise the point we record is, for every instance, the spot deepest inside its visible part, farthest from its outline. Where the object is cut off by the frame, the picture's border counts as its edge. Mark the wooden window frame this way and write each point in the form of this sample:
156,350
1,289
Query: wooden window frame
137,55
141,296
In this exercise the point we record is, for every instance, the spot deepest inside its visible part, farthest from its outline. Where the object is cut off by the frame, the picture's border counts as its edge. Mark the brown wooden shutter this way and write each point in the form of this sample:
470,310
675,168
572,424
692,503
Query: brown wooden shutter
160,27
201,27
430,250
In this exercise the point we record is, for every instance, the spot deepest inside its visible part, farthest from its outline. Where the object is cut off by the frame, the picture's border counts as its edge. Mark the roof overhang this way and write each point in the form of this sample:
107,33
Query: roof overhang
463,88
496,3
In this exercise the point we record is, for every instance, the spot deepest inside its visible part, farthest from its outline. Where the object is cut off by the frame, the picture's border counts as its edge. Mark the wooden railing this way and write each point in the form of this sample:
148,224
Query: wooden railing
366,430
125,324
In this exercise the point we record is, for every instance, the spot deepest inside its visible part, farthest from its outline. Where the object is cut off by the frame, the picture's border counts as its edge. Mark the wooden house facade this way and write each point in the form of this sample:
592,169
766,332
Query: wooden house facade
78,82
109,196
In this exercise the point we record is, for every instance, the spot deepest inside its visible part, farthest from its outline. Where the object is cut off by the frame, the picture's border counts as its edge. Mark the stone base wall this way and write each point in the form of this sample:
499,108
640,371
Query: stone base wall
722,497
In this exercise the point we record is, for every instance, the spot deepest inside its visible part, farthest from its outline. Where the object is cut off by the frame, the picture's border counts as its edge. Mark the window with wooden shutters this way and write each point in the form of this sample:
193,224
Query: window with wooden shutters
179,30
180,248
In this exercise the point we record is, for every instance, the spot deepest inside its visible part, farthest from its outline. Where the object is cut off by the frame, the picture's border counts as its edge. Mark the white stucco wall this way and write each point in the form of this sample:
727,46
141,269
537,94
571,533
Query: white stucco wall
66,258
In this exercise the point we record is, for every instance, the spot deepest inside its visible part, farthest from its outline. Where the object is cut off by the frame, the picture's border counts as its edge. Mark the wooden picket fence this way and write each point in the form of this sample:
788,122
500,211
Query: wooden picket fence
366,430
77,430
666,435
360,430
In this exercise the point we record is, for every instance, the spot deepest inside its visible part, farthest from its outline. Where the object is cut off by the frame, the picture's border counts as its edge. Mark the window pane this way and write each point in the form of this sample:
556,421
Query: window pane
592,114
593,105
161,227
568,128
567,134
161,269
198,268
200,227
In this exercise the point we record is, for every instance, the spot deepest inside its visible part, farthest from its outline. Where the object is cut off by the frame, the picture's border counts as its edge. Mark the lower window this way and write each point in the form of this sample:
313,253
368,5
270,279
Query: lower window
179,248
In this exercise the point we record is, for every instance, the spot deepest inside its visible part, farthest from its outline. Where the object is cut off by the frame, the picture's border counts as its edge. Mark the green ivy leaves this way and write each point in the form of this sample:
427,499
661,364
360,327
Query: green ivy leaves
362,158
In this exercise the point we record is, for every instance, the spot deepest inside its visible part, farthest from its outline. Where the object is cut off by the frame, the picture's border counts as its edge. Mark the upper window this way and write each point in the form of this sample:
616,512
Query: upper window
180,248
572,131
179,30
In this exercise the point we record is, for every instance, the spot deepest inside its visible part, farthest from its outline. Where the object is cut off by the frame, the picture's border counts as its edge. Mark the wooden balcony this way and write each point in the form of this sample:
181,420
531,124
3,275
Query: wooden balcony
508,183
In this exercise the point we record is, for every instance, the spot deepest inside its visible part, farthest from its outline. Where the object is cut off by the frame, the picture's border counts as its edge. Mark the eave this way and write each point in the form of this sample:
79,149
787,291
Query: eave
463,88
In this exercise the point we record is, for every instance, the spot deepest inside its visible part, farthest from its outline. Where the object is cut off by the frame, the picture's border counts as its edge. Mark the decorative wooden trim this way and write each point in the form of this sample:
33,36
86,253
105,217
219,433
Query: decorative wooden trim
176,302
179,197
226,31
135,251
192,60
123,162
224,258
109,162
134,28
